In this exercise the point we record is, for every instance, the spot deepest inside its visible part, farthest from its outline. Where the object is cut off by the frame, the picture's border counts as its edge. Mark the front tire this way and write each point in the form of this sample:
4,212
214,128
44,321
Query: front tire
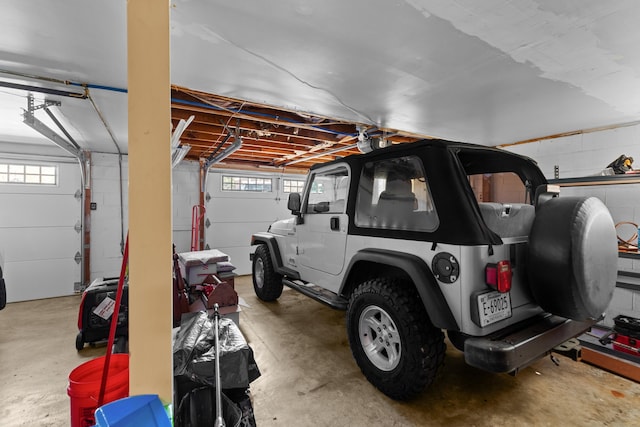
267,284
392,340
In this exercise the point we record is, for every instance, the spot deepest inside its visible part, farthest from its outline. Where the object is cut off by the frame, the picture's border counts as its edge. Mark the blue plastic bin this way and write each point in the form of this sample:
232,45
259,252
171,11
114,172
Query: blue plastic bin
134,411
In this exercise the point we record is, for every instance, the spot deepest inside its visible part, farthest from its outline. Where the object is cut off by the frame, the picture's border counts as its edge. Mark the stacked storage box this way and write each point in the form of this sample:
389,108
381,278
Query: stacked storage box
196,266
210,272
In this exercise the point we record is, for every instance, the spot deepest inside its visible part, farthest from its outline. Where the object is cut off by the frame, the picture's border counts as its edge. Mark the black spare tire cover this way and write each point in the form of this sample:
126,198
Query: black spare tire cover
573,257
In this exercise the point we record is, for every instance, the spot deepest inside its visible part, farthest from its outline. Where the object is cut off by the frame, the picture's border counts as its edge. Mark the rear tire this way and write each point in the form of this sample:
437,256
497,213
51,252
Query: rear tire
392,339
267,284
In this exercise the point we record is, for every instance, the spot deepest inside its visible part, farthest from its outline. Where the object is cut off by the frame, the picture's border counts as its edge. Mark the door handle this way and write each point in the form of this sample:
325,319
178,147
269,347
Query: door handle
335,223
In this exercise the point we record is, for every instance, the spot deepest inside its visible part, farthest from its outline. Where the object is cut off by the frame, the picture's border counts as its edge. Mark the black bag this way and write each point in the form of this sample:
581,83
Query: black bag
194,355
243,401
198,409
194,373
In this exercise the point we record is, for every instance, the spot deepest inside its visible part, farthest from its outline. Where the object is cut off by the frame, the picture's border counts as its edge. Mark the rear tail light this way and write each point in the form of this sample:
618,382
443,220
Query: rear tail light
498,276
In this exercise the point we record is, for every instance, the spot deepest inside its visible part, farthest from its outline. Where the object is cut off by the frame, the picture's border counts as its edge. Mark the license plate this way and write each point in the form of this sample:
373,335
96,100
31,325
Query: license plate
493,307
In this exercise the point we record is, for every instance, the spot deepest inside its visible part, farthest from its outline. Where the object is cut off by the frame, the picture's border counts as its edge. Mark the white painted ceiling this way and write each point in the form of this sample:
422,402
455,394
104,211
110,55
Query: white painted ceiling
490,72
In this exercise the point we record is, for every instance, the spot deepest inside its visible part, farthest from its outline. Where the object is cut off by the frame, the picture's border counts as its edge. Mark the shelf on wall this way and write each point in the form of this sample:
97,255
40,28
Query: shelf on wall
628,280
597,180
632,255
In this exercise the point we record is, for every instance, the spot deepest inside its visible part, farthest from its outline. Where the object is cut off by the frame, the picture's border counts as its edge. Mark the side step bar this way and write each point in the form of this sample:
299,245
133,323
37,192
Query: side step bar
317,293
519,347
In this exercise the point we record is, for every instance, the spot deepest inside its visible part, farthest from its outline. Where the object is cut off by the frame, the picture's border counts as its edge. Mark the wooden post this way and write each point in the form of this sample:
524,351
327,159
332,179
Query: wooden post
150,305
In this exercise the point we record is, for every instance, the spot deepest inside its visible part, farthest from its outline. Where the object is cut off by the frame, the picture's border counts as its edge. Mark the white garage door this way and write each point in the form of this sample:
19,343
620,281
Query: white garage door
245,204
37,236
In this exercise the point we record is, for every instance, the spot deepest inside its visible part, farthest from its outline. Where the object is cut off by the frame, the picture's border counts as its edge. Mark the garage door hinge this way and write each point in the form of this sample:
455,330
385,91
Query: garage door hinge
207,223
77,287
78,258
78,226
78,194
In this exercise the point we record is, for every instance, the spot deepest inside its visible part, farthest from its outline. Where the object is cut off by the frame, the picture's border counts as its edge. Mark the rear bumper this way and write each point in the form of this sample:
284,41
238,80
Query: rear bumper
508,351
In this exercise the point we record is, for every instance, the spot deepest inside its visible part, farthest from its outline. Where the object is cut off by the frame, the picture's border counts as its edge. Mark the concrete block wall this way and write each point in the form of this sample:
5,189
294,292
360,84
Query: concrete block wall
583,154
625,302
105,228
588,154
186,194
106,257
233,216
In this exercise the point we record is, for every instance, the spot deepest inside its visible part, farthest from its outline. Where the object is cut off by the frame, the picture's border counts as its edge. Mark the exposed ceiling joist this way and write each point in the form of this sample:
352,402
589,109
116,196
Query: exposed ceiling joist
272,137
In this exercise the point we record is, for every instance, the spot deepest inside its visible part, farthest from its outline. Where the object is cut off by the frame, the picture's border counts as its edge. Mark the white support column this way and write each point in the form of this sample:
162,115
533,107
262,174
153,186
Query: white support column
150,306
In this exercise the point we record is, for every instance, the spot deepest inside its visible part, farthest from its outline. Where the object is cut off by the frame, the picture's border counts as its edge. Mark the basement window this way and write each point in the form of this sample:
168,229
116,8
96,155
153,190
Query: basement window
246,183
292,185
28,174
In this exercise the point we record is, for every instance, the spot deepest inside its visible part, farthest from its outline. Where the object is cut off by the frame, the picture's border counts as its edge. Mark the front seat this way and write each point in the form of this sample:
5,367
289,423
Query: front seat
395,204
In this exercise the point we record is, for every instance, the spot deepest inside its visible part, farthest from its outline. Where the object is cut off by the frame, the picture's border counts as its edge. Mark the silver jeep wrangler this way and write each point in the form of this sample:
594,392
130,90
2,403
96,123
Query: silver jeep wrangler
416,239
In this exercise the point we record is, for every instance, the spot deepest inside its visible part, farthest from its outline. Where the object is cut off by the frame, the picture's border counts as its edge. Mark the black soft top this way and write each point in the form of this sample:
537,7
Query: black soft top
447,164
475,158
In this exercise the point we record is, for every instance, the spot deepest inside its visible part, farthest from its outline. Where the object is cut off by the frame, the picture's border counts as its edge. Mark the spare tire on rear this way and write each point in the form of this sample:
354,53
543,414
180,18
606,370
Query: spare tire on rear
573,257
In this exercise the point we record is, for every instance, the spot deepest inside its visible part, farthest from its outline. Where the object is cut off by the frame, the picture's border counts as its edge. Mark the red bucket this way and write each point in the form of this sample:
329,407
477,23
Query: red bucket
84,387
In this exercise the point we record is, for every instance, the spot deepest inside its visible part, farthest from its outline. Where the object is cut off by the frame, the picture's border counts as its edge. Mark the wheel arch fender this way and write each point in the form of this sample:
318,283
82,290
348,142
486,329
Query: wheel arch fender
272,244
419,273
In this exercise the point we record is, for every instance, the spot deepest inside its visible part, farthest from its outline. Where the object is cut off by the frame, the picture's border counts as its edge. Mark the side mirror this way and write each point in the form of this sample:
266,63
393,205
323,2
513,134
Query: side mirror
293,204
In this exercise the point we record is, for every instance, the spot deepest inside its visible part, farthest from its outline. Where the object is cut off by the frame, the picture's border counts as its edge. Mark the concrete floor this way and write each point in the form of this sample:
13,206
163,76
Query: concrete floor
309,377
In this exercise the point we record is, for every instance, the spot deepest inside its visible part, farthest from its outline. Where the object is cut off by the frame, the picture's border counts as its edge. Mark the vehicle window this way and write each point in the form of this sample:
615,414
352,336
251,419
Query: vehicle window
394,194
501,187
328,192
